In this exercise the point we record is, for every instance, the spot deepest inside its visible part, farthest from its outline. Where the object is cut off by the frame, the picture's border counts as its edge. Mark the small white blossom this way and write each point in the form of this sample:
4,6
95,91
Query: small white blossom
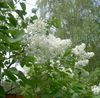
79,50
62,69
66,71
58,61
81,53
96,89
69,71
82,56
39,26
52,62
89,55
64,88
82,63
37,89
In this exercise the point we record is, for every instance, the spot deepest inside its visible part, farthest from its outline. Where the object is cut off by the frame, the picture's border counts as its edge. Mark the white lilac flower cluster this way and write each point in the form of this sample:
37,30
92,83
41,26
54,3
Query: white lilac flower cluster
44,46
82,55
39,26
96,89
47,47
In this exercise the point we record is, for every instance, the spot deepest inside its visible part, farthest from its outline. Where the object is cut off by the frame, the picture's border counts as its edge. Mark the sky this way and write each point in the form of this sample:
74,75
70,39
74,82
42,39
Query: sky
29,5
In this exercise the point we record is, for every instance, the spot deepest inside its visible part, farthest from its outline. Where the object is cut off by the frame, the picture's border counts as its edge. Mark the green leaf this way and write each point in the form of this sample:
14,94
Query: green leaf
2,17
3,27
16,48
10,75
12,20
18,36
34,17
56,22
23,78
13,70
34,10
27,60
3,30
23,6
21,13
2,92
1,64
11,4
13,32
67,52
24,24
84,73
3,5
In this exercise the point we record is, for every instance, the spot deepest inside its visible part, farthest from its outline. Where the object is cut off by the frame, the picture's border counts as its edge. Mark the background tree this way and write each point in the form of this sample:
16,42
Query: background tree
75,19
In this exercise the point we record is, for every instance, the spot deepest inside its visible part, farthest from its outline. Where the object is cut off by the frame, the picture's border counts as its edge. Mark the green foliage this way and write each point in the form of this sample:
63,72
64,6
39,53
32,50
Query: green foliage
11,47
44,80
23,6
17,36
78,20
2,92
12,20
56,82
21,13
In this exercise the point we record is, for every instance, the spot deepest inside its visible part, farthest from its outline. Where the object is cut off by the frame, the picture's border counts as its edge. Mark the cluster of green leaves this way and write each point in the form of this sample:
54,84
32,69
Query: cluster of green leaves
48,81
12,29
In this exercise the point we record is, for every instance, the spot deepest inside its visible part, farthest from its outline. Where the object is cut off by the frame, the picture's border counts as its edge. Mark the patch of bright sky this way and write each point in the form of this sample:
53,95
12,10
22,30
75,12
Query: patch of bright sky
29,5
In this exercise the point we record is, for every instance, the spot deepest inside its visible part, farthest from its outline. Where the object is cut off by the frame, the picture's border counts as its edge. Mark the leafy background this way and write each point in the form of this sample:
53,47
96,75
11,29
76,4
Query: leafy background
78,20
